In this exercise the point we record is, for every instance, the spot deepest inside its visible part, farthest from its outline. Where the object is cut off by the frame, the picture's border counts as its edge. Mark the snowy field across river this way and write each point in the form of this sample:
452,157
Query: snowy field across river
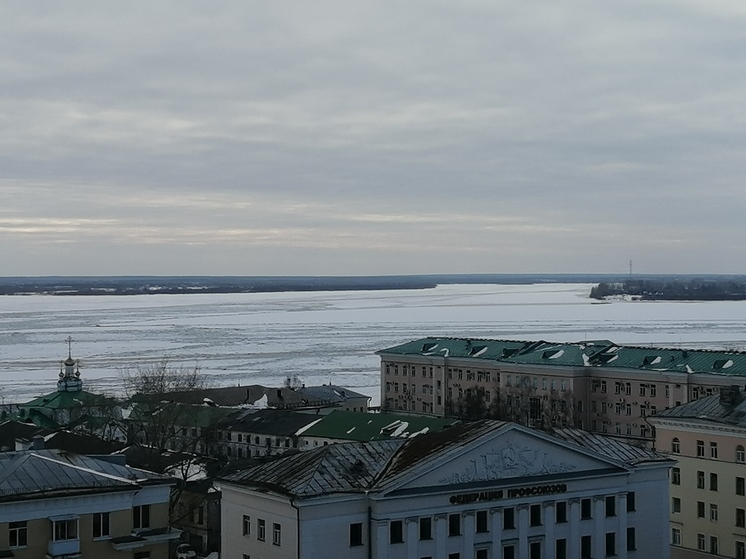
321,336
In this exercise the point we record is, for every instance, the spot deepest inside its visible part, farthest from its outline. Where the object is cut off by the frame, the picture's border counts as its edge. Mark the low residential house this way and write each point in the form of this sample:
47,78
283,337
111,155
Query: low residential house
345,426
255,433
708,485
56,504
473,491
312,398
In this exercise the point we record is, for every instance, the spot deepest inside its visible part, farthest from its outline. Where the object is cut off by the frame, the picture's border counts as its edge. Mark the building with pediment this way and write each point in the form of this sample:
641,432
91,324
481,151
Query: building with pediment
482,490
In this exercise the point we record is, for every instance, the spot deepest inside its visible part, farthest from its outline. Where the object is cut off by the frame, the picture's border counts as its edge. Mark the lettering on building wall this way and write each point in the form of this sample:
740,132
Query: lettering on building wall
530,491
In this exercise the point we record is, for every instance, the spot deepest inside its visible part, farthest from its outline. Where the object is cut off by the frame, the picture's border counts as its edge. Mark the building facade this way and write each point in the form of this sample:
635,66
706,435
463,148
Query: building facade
55,504
708,485
595,385
483,490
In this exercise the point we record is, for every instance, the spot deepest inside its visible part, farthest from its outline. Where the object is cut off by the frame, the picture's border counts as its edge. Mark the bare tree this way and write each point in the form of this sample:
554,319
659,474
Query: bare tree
156,422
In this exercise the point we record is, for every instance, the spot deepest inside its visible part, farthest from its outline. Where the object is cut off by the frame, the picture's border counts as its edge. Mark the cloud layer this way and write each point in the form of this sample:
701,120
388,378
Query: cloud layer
372,137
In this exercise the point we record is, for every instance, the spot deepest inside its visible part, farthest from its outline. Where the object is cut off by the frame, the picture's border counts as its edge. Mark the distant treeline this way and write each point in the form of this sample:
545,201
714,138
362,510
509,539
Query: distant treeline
697,289
145,285
142,285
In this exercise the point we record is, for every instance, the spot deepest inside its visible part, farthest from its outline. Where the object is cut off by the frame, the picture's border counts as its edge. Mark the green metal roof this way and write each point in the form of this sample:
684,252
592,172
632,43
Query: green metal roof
359,426
596,353
67,400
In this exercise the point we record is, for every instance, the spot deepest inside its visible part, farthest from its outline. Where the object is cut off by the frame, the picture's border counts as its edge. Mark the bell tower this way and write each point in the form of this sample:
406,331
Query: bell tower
69,372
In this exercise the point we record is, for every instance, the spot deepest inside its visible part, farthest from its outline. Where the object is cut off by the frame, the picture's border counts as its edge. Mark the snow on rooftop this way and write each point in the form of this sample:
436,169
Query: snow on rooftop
586,360
307,427
420,432
728,364
351,430
557,355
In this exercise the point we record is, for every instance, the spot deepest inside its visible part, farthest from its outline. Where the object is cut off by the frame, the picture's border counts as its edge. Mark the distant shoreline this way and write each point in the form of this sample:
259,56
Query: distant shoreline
172,285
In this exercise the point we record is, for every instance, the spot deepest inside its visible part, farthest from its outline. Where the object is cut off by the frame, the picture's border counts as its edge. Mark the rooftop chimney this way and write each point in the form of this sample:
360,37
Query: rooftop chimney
730,395
38,443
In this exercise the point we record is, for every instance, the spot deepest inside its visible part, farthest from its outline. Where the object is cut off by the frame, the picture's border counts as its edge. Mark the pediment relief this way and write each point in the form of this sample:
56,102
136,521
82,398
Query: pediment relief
514,454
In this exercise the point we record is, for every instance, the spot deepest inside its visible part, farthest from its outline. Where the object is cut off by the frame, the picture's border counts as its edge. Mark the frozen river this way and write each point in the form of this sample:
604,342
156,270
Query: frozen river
321,336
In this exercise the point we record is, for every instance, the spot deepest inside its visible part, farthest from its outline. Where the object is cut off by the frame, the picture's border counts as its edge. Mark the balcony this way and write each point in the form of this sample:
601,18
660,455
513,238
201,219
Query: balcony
141,538
64,548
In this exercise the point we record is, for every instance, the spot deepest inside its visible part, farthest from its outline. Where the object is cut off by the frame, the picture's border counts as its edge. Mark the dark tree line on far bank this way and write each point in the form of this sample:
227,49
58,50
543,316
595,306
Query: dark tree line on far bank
674,290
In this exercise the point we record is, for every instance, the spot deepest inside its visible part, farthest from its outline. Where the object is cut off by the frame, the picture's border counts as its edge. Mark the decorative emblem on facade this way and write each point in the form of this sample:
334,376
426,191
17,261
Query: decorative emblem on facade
508,461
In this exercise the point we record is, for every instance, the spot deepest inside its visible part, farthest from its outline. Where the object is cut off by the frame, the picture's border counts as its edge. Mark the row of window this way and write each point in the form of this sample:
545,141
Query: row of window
708,544
396,527
261,530
68,529
740,454
535,548
740,482
739,517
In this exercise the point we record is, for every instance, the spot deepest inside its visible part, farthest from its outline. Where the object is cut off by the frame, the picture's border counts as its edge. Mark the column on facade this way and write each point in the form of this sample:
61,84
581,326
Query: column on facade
599,532
412,526
522,531
469,529
382,539
622,525
573,545
497,529
548,518
441,535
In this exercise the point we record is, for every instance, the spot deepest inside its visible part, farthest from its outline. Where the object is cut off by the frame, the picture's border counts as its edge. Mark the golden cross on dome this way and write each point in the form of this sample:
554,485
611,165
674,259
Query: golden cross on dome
69,341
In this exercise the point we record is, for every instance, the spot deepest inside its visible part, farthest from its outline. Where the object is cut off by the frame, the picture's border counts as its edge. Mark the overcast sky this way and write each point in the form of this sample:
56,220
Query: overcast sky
263,138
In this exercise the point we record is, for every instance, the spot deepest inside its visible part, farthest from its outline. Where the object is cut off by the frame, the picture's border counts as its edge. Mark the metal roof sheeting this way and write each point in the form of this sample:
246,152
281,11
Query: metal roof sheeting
596,353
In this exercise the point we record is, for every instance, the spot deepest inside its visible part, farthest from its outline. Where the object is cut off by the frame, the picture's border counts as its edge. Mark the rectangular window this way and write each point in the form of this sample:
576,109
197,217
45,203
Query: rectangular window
141,516
65,530
396,532
713,512
454,556
631,541
509,551
426,528
713,545
610,506
560,549
700,480
246,526
276,534
141,555
534,550
610,544
713,450
585,509
700,449
675,504
700,509
675,536
261,529
560,512
740,550
454,525
741,518
675,476
100,524
631,501
356,534
713,482
482,526
509,518
585,547
740,486
535,515
17,534
701,542
482,553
